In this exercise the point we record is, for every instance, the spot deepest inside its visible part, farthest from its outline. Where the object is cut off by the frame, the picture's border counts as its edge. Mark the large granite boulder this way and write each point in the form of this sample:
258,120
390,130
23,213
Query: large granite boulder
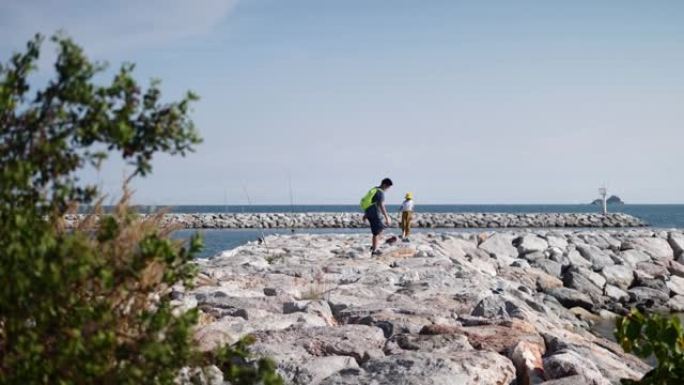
557,241
606,357
571,298
648,297
421,368
650,270
676,268
621,276
576,379
574,258
633,257
615,293
579,279
530,243
676,285
656,248
676,240
566,363
598,258
501,245
436,343
527,359
308,355
548,266
676,303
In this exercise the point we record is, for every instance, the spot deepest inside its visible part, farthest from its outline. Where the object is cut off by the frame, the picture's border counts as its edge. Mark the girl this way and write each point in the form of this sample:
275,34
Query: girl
406,214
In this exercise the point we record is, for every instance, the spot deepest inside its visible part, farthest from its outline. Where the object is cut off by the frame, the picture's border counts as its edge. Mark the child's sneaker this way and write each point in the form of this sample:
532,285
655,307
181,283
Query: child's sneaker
406,240
375,253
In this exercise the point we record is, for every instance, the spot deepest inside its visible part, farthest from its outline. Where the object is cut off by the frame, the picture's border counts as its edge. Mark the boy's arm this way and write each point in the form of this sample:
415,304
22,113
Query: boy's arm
384,212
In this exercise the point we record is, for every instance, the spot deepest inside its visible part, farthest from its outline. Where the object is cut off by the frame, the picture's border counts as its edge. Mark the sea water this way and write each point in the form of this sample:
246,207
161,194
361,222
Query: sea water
216,240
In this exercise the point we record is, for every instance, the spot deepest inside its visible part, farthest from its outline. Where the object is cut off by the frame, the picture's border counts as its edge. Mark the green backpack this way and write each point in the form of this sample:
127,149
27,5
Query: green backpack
367,200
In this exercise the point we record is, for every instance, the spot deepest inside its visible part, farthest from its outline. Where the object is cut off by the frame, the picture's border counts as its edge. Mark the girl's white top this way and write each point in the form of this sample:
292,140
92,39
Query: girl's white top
407,205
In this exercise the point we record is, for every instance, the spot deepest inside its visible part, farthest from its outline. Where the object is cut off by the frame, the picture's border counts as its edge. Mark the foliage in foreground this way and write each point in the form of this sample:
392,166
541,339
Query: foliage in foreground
91,305
657,335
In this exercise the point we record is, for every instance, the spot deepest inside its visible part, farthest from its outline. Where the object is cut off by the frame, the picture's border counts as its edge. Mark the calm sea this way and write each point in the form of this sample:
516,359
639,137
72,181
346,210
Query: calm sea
660,216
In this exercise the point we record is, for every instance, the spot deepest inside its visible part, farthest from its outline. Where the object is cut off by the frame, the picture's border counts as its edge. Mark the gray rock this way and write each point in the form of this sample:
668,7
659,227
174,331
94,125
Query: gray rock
314,369
632,257
534,256
576,259
655,247
471,367
210,375
530,243
651,270
676,285
550,267
615,293
500,244
567,363
520,263
676,268
570,380
494,306
357,341
557,255
319,308
595,278
652,283
598,258
647,297
571,298
576,278
594,239
557,241
607,357
676,303
621,276
269,291
435,343
676,240
527,359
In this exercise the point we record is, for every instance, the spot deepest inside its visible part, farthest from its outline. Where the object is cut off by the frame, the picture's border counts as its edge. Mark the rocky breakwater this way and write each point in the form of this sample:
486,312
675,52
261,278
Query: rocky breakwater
423,220
454,308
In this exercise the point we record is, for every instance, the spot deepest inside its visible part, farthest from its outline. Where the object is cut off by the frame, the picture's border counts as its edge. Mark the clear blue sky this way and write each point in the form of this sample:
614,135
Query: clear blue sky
457,101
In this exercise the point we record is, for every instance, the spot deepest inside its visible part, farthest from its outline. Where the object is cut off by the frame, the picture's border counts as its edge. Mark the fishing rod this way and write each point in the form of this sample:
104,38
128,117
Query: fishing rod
292,219
249,203
225,200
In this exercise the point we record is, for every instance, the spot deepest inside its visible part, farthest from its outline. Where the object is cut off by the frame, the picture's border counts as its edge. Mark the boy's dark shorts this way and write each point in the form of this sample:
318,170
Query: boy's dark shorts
376,224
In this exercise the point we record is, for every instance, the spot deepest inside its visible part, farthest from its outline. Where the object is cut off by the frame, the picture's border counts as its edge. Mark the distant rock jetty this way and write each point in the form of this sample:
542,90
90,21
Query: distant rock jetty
422,220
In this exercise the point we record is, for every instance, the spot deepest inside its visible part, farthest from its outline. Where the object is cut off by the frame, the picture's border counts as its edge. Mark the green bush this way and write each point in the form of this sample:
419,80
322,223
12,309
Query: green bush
654,335
91,305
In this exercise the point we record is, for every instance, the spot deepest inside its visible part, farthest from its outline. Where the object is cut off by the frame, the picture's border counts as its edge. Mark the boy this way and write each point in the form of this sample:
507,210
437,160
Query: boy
373,204
406,214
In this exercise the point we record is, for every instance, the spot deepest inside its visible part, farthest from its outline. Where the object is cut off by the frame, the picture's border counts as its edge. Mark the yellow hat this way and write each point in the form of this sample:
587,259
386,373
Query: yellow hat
409,195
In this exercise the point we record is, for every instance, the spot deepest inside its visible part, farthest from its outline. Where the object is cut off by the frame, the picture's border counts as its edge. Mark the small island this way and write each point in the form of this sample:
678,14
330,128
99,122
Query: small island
612,200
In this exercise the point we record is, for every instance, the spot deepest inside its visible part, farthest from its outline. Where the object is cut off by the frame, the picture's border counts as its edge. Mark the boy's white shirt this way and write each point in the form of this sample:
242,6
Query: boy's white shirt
407,205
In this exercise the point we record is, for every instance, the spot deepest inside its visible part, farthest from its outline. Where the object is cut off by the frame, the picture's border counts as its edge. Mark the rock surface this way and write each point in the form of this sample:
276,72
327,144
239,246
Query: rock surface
446,308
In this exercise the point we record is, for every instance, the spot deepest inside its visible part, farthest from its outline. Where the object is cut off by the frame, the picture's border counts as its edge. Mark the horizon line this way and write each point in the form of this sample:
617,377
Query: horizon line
421,204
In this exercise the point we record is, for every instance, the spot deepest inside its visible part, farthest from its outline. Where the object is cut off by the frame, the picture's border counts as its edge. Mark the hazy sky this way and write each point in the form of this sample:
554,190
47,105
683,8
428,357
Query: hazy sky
457,101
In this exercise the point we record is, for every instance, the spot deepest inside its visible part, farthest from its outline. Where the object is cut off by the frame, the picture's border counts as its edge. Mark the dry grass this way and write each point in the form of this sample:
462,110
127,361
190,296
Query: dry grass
317,290
138,280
